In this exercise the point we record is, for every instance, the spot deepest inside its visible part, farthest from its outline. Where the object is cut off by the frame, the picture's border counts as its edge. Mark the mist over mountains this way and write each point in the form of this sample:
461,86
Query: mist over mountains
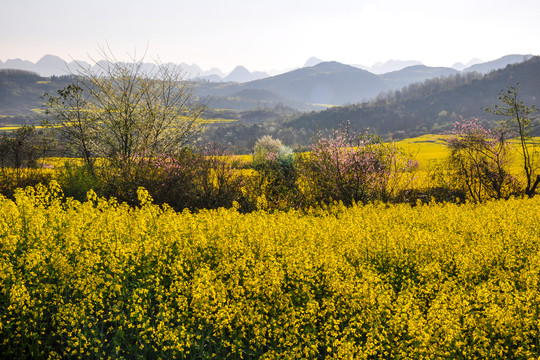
51,65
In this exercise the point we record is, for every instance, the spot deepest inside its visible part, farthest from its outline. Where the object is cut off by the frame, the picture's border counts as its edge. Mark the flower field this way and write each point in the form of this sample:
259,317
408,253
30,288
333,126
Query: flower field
103,280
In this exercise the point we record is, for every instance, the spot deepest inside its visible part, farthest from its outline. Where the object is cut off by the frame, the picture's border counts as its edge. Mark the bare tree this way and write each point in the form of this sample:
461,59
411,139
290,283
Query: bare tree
479,160
73,122
519,118
121,110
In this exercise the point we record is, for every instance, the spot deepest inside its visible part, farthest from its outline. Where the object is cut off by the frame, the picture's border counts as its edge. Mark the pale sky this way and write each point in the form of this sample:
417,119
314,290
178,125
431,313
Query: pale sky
263,35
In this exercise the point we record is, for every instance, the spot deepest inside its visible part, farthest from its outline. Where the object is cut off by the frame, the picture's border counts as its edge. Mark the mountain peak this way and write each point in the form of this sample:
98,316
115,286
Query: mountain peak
312,61
392,65
49,58
335,66
241,75
499,63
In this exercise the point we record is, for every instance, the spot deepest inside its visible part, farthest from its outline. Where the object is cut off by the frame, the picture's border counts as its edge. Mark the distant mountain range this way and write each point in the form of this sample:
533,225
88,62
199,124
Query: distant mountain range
305,88
50,65
313,87
331,83
433,106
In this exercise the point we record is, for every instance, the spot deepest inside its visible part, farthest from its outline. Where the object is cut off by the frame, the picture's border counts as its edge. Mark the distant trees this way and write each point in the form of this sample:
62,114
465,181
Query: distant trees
20,152
426,88
21,149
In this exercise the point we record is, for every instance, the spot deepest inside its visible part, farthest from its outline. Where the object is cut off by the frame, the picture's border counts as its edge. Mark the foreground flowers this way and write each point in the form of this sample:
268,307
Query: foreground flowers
102,280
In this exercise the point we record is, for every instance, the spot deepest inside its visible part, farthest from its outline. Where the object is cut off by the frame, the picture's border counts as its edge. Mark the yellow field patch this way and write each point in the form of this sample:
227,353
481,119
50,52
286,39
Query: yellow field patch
427,149
216,121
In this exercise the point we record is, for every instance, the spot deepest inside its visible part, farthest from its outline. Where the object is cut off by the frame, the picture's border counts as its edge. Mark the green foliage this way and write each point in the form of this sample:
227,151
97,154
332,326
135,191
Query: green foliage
77,180
202,178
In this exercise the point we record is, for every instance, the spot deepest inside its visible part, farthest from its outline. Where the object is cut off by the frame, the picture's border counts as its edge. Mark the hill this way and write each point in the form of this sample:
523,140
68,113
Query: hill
21,91
325,83
308,88
241,74
500,63
334,83
414,74
431,107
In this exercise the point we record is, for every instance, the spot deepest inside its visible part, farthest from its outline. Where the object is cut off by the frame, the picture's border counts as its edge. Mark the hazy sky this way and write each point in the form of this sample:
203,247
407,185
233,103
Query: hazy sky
271,34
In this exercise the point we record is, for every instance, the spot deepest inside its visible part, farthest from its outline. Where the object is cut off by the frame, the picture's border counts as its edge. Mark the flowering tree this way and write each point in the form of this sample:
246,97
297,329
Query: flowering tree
351,167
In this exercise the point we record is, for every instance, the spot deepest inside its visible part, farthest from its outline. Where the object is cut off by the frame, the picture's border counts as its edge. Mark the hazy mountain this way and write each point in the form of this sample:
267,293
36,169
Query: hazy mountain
363,67
312,61
392,65
191,71
473,61
53,65
213,71
500,63
50,65
241,75
308,88
211,78
18,64
459,66
414,74
77,66
325,83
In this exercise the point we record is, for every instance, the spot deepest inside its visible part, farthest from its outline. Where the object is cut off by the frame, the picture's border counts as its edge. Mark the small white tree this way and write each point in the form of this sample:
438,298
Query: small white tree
265,146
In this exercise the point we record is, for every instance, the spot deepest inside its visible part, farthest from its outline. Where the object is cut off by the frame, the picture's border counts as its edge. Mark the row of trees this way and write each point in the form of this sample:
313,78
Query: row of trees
131,125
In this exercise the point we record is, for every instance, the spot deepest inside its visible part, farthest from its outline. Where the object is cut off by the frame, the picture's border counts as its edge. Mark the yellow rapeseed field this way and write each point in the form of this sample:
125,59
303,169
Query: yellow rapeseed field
102,280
